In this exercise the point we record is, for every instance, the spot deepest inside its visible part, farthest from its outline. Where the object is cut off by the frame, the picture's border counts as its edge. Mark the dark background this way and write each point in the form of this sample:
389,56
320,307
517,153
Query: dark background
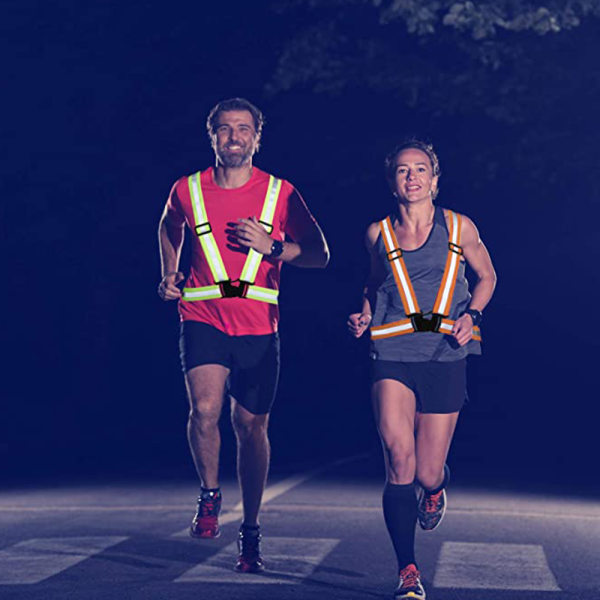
104,106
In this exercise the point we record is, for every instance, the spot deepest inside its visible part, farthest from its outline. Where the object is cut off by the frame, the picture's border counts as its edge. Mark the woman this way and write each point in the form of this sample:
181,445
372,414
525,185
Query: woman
425,322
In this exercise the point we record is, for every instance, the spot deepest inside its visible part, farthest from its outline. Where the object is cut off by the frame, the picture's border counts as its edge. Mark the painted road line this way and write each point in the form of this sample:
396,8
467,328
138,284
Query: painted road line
32,561
494,566
288,561
277,489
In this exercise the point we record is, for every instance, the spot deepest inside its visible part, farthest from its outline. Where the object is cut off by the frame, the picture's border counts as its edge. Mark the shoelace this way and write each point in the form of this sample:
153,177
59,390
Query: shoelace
432,502
250,546
209,506
410,578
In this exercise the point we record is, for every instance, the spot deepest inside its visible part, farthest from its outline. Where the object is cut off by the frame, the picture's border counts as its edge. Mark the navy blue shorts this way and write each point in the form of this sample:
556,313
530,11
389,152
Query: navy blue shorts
439,387
253,361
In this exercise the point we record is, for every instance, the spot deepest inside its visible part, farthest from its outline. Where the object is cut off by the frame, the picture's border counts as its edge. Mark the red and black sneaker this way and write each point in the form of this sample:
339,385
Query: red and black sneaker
206,522
249,559
409,585
431,509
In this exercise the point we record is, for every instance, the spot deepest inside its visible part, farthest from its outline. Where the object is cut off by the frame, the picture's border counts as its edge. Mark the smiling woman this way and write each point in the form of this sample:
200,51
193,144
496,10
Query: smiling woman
424,322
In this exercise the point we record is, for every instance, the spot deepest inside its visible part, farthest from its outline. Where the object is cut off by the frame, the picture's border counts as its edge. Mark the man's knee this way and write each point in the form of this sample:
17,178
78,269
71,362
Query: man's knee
248,426
204,414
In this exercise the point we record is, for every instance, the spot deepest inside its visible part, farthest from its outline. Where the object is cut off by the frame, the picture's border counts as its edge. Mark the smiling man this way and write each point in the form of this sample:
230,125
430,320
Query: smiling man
244,224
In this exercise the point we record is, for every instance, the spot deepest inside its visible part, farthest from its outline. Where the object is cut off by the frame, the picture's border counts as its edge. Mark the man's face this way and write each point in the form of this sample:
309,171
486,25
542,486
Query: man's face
234,139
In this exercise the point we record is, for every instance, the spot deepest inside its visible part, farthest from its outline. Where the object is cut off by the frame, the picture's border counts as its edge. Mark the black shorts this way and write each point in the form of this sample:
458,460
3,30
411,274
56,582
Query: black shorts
252,359
439,387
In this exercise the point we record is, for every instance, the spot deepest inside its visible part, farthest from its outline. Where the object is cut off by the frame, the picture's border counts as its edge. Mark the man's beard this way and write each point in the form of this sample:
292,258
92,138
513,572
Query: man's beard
233,160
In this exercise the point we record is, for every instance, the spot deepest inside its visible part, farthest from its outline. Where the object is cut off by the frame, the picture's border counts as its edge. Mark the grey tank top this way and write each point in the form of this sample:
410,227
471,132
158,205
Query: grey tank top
425,267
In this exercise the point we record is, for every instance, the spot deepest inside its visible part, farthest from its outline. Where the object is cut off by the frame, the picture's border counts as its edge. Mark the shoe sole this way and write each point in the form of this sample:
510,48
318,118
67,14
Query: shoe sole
201,536
248,570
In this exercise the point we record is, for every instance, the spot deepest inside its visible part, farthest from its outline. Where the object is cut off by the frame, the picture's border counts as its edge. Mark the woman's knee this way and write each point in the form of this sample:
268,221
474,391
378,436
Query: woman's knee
400,460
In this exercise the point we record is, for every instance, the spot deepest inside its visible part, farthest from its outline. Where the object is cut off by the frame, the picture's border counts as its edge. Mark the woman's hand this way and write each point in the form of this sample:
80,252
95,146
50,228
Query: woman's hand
463,329
358,323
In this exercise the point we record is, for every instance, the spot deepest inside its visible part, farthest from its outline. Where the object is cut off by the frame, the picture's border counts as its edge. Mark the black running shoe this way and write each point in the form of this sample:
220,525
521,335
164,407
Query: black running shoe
249,559
409,585
206,522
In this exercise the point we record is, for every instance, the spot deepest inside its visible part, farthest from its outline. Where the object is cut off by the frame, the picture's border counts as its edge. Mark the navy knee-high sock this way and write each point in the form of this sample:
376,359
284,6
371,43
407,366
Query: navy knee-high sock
400,514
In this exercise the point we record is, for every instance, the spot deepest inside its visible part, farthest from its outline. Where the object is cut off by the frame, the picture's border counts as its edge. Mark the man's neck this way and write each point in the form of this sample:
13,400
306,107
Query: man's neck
232,177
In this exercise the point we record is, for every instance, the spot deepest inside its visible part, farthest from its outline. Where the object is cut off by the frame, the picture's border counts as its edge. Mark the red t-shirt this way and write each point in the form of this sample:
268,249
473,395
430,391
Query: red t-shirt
236,316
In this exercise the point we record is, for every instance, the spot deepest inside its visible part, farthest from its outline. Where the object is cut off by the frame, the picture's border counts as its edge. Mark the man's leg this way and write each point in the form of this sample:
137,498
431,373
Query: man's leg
253,454
205,385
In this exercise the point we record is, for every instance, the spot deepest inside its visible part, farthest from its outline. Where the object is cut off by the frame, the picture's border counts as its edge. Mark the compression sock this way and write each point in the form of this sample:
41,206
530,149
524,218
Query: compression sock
400,514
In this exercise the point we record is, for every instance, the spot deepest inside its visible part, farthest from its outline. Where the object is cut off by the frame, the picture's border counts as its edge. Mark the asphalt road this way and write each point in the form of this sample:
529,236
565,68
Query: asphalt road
324,537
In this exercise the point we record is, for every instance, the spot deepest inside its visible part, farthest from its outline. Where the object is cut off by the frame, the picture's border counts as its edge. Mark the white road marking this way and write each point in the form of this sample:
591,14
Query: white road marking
275,490
494,566
288,561
32,561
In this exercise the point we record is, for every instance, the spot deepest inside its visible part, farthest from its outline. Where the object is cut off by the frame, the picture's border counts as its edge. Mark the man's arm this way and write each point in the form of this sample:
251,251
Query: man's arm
310,250
358,322
170,242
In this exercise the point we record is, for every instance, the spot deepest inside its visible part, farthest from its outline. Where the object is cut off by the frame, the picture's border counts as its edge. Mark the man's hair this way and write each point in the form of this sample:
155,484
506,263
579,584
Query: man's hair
234,104
390,159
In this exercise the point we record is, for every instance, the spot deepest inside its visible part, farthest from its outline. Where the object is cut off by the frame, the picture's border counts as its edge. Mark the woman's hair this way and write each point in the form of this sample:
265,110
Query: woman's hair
390,159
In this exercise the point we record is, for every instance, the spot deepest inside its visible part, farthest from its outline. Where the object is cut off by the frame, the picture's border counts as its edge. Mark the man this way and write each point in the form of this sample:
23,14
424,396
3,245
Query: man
245,223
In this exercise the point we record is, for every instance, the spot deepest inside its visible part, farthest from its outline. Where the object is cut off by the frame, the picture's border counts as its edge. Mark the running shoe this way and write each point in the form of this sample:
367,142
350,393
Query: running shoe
249,559
409,586
431,509
206,522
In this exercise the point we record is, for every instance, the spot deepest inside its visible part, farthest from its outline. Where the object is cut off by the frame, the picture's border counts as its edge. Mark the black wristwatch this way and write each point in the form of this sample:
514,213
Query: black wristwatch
476,315
276,249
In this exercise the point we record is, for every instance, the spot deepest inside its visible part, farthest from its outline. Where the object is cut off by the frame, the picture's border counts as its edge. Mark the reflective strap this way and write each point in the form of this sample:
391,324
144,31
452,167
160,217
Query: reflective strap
266,218
394,254
405,326
204,232
392,329
443,300
209,292
262,294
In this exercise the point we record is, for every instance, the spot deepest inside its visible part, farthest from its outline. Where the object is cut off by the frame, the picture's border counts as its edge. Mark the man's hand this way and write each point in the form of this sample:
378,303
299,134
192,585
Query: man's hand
167,288
358,323
463,329
250,233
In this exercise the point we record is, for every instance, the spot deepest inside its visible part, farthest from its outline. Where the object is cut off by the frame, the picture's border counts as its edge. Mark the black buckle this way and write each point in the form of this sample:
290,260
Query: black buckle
420,323
200,226
267,226
455,248
228,290
390,254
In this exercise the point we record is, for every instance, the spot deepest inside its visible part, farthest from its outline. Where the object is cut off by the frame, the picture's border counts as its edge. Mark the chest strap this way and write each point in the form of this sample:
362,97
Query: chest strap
224,286
416,321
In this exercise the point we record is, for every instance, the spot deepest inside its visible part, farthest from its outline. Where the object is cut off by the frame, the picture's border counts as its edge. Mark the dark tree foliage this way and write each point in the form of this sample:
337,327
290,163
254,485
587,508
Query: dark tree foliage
527,66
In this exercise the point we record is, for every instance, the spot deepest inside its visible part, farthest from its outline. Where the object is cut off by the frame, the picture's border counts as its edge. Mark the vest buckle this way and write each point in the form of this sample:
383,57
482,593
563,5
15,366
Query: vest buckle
420,323
229,290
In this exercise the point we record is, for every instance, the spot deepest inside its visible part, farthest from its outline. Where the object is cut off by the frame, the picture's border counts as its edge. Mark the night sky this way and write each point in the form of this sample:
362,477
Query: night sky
104,107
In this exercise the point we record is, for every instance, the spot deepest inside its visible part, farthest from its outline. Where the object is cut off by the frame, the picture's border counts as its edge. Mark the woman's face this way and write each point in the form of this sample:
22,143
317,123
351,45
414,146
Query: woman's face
414,180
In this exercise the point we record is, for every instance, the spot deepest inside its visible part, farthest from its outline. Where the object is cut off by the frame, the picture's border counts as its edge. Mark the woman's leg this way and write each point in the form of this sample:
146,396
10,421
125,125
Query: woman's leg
394,408
434,435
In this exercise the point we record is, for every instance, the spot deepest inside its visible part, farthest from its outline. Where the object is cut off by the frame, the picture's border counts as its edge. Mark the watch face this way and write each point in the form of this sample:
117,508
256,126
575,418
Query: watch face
276,248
